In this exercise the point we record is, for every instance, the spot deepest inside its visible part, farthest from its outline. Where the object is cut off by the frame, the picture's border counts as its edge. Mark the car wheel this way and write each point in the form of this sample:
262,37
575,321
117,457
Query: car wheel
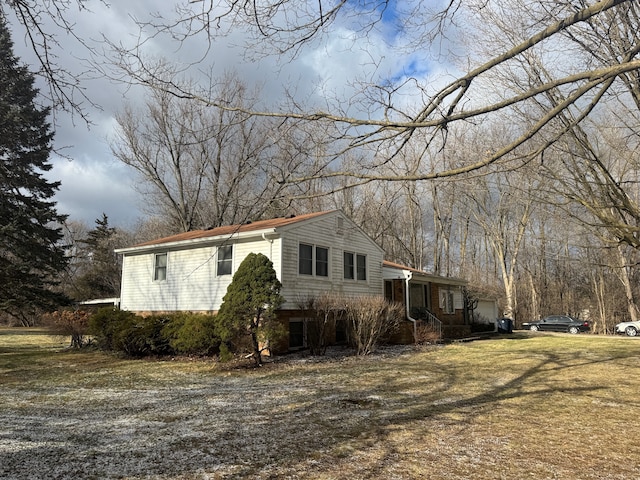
533,328
631,331
573,330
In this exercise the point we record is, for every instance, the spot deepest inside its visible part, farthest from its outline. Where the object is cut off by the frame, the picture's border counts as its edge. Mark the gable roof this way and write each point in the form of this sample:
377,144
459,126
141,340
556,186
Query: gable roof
195,236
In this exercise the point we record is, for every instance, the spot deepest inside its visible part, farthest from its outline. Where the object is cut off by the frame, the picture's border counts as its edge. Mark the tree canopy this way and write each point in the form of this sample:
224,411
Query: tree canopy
31,254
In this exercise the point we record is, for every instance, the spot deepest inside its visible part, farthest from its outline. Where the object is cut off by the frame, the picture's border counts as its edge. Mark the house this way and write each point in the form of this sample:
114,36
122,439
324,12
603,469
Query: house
312,254
430,299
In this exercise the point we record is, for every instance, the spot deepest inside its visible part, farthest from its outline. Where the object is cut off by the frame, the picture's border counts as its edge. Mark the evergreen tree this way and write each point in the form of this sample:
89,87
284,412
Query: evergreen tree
248,307
31,254
101,277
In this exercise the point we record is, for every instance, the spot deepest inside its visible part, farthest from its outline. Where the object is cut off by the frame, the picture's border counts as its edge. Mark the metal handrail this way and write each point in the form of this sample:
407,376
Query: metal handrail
421,313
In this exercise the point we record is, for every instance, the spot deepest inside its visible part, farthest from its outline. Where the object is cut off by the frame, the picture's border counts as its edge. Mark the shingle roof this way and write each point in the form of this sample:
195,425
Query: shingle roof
437,278
234,229
389,264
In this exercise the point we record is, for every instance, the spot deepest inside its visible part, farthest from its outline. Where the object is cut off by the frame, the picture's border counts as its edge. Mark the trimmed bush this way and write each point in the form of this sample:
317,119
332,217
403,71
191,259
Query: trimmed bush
192,334
167,334
105,326
143,336
248,308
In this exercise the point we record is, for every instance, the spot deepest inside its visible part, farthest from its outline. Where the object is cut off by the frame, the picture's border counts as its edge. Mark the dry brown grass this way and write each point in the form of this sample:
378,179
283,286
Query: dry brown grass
519,406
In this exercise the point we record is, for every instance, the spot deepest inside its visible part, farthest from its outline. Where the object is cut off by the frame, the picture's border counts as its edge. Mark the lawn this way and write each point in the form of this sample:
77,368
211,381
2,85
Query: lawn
518,406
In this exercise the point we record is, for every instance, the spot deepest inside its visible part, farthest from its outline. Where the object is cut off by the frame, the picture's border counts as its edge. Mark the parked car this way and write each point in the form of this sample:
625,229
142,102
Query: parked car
558,323
630,329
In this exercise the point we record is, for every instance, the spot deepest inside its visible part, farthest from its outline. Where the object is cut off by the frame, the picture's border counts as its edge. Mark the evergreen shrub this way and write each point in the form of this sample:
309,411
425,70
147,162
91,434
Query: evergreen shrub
105,326
192,334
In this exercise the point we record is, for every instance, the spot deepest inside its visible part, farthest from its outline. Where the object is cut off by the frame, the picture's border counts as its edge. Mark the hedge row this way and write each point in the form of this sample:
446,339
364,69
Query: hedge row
170,334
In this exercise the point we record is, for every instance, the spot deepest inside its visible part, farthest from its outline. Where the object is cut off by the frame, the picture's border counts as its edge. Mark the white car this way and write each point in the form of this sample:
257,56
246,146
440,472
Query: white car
630,329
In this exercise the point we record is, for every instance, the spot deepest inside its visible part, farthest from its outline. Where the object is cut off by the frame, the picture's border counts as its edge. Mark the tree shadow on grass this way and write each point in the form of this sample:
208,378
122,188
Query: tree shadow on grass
263,424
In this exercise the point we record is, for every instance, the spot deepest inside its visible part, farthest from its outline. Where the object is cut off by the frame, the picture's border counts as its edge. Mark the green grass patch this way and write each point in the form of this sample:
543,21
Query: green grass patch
517,406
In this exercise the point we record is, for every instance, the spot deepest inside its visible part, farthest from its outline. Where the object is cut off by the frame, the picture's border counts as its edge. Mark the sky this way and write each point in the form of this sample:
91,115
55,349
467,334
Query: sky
93,182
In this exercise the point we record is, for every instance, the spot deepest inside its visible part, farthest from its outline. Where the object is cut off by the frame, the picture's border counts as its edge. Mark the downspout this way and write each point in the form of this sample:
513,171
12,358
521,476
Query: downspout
409,317
270,240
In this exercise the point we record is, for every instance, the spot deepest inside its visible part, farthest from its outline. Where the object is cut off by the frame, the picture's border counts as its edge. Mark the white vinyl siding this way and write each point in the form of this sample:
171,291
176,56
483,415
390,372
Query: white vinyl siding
193,284
327,231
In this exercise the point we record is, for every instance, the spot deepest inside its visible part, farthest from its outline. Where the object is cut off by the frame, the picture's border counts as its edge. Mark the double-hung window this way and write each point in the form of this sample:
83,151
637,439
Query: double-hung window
361,266
225,260
349,266
160,267
313,260
322,262
355,266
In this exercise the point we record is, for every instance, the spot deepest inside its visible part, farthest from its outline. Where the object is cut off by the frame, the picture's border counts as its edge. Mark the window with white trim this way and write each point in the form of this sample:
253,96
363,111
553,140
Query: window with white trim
361,266
354,266
446,300
313,260
349,266
225,260
160,267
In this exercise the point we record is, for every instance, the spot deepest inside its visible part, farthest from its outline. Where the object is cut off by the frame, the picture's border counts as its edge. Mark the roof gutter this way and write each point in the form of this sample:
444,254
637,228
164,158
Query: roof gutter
196,242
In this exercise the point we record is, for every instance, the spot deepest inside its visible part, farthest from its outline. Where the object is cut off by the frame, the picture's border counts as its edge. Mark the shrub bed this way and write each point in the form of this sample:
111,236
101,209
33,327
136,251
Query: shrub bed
167,334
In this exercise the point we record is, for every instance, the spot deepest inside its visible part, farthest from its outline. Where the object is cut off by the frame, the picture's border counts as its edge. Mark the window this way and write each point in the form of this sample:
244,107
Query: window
349,267
296,333
305,259
310,256
446,300
225,260
362,267
355,266
160,267
322,262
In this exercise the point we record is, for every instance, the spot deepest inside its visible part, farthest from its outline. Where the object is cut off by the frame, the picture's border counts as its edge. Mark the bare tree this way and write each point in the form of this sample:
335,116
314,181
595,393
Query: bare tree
285,26
163,145
44,23
502,208
204,166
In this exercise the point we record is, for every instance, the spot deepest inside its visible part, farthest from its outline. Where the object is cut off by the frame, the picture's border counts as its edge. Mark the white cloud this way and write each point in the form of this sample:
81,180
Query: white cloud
89,189
94,182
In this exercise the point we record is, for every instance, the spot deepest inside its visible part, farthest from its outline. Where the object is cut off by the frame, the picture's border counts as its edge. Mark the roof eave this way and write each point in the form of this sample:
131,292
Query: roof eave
195,242
414,274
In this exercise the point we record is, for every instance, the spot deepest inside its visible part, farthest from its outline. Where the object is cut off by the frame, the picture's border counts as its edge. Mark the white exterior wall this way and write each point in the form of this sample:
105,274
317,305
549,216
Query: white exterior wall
192,285
323,232
486,311
191,282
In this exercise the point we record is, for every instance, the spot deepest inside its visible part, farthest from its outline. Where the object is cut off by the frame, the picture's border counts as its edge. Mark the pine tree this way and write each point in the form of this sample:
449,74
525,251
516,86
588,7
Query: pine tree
31,255
248,307
102,271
